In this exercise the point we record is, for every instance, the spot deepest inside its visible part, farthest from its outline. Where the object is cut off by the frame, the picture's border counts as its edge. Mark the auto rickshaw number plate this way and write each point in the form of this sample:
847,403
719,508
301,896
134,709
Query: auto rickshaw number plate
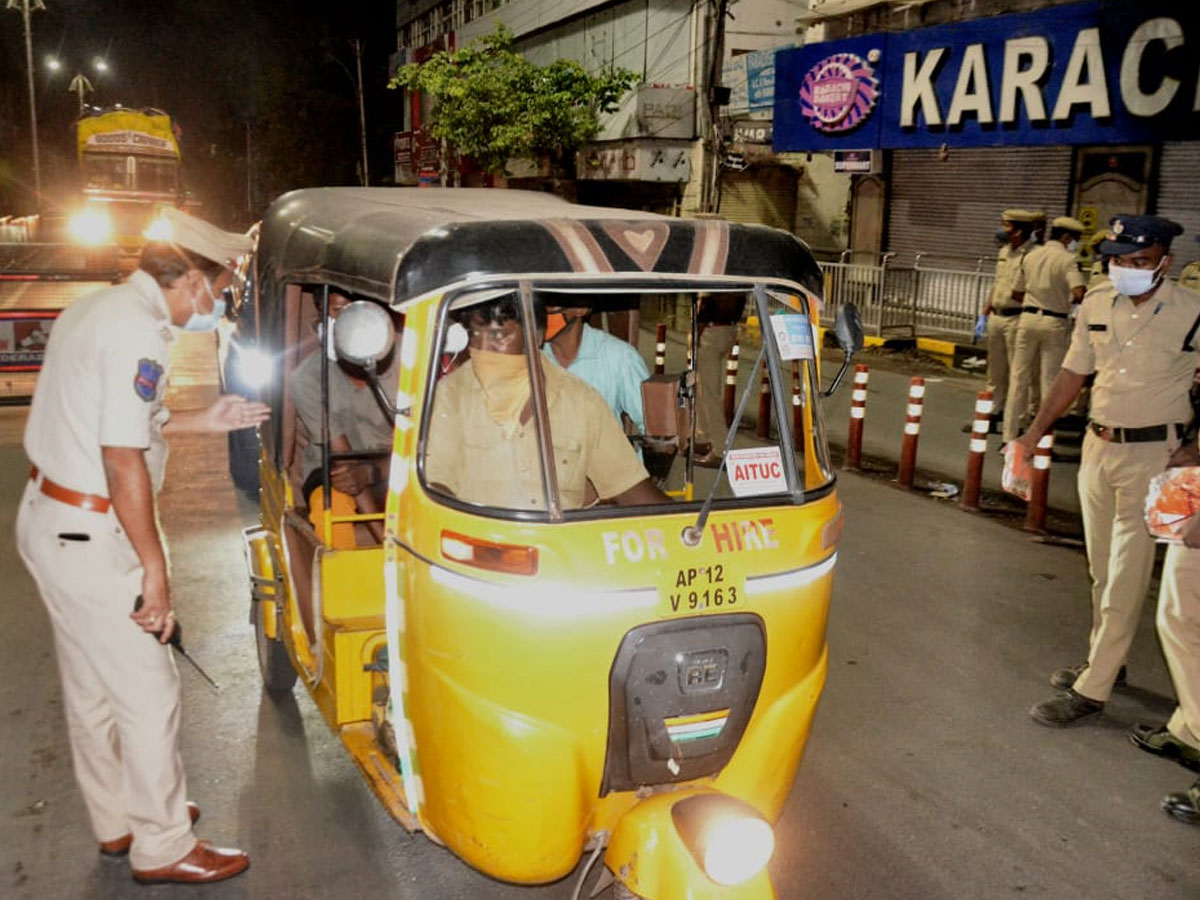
704,587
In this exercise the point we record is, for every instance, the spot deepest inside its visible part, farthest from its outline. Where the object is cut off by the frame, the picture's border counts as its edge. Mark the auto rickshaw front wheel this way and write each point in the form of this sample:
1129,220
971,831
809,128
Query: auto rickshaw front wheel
278,674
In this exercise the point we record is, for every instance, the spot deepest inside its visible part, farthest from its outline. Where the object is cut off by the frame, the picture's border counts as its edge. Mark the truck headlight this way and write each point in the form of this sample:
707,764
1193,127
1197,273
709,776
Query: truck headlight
91,226
727,837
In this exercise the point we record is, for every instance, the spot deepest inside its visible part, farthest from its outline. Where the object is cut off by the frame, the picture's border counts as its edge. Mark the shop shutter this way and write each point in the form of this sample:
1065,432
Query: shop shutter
949,210
760,195
1179,198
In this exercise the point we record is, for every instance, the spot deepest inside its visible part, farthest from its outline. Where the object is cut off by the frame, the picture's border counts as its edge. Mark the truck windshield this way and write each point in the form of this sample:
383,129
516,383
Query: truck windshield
622,407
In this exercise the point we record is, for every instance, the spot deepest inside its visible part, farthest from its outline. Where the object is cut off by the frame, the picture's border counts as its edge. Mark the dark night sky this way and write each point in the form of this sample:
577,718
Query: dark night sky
227,71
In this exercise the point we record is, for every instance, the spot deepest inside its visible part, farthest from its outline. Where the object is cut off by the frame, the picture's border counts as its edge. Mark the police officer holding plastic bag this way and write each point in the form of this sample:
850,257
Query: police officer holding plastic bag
1133,335
87,530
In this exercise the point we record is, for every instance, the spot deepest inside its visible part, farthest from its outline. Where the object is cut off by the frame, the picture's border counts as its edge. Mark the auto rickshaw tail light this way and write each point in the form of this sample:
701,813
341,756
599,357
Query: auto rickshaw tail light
513,559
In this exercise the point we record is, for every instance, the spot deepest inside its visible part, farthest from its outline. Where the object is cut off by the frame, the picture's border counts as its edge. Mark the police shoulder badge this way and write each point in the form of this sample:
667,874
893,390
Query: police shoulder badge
145,382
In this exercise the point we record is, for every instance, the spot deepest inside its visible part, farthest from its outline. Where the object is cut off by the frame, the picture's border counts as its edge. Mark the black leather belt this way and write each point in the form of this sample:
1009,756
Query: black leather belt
1133,435
1038,311
1008,311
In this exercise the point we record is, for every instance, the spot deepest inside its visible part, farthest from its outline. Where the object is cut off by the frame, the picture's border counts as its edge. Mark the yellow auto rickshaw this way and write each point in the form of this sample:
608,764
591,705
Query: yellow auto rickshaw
527,661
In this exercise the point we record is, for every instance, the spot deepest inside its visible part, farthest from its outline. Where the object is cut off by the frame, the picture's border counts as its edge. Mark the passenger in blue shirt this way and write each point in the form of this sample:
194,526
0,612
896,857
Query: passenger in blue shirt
610,365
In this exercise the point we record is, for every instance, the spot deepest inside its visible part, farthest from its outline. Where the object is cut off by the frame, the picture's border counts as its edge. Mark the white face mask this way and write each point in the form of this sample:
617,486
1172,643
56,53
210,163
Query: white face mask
330,350
1073,246
1133,282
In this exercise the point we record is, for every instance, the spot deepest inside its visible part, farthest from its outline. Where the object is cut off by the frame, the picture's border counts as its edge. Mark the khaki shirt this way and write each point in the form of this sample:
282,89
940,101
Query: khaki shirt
102,384
353,409
468,453
1143,372
1048,277
1008,264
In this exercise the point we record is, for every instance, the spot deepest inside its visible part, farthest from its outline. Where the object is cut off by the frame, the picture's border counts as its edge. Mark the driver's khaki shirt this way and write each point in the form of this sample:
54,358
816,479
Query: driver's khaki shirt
470,455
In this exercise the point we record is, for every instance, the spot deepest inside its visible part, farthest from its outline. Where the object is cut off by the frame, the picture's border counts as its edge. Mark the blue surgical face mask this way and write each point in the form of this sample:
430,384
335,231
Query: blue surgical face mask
198,321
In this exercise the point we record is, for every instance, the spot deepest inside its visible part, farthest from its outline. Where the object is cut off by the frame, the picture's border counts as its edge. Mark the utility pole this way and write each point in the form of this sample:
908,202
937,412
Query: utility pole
362,111
26,7
716,96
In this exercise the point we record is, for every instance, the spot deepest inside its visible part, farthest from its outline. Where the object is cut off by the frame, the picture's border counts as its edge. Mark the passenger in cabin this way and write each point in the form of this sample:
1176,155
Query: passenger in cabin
610,365
357,421
482,446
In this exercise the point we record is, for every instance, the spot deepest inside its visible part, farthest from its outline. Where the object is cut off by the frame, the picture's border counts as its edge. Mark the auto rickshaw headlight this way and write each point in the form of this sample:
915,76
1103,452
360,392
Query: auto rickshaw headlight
363,333
730,840
253,367
91,226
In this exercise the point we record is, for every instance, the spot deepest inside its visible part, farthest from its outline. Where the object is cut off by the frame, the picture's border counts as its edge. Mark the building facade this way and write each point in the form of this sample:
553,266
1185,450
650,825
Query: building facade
659,151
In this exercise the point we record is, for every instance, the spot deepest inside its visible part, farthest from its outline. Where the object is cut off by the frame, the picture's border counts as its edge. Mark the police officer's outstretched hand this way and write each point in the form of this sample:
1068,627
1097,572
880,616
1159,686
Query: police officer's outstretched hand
231,412
154,613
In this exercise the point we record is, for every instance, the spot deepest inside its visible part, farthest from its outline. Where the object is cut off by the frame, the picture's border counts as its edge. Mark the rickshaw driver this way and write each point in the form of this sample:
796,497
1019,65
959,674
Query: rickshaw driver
356,422
610,365
479,448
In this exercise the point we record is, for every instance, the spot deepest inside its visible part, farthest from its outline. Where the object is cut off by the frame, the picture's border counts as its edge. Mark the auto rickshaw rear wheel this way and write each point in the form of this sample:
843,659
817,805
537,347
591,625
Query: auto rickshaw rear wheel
278,674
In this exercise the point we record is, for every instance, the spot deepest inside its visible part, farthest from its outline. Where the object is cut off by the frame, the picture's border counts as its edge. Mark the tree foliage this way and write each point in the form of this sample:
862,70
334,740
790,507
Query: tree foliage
493,105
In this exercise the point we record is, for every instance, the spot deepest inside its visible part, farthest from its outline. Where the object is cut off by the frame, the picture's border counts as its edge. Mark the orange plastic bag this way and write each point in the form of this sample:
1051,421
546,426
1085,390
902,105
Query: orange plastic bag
1173,502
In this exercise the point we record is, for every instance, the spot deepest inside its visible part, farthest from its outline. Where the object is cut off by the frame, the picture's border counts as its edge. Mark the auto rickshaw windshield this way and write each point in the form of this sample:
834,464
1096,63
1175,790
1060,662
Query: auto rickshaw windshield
627,420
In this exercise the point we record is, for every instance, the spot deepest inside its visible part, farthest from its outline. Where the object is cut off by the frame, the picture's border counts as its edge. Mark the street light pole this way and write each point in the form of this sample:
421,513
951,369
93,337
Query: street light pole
81,86
26,7
362,110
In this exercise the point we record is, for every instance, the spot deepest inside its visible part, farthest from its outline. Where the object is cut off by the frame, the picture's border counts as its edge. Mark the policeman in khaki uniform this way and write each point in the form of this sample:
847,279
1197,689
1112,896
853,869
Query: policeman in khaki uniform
1178,623
1001,310
1134,335
87,531
1046,286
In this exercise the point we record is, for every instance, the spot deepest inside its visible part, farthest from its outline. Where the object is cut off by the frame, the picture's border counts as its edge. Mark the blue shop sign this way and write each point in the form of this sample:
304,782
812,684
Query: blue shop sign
1087,73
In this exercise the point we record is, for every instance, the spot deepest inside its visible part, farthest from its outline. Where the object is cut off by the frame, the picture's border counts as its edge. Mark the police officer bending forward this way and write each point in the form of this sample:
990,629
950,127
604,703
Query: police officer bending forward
88,533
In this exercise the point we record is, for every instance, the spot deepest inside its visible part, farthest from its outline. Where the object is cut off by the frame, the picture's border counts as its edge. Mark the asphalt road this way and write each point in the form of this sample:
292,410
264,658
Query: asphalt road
924,776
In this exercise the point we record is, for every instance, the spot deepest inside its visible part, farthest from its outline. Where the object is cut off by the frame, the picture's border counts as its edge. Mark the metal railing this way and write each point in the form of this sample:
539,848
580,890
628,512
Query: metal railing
944,299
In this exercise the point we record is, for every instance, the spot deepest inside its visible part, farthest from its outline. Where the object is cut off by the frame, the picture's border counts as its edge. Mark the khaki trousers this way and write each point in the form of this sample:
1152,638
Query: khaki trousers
1001,340
1178,623
1041,344
715,343
120,686
1113,481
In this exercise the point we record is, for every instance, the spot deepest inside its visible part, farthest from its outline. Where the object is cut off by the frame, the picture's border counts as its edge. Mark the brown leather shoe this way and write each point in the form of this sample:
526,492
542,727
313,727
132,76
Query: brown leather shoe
120,846
203,865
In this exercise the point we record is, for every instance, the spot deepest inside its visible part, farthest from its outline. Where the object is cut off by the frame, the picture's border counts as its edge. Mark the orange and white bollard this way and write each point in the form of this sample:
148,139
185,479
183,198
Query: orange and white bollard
912,431
797,408
763,428
1039,486
977,450
731,371
858,409
660,348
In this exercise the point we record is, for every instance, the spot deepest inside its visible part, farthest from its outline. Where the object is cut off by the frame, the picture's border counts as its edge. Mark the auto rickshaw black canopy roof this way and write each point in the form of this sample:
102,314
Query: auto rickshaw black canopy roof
395,244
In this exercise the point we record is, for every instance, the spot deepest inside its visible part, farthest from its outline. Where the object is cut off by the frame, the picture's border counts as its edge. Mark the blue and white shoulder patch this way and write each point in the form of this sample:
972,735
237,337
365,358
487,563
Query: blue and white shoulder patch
145,382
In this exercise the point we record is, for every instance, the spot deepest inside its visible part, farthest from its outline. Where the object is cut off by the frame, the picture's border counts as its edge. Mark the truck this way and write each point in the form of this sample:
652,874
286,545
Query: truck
129,164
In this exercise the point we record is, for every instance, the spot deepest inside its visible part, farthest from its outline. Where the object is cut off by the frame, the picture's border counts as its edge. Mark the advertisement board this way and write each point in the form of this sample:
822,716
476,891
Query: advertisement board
1051,76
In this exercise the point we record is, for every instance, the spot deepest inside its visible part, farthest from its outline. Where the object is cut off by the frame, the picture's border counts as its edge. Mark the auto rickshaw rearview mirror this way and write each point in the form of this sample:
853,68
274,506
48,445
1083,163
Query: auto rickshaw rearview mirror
848,328
363,333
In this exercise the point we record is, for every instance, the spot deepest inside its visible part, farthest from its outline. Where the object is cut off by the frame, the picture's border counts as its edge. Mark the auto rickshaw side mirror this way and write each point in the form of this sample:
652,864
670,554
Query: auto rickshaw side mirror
363,335
848,329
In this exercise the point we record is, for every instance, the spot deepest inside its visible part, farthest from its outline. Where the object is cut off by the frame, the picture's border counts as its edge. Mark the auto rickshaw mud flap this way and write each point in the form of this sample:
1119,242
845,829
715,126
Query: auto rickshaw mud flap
653,859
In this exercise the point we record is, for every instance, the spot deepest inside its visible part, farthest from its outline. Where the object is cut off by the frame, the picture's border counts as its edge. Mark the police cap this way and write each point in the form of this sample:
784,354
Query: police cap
1067,223
1129,233
1016,215
202,238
